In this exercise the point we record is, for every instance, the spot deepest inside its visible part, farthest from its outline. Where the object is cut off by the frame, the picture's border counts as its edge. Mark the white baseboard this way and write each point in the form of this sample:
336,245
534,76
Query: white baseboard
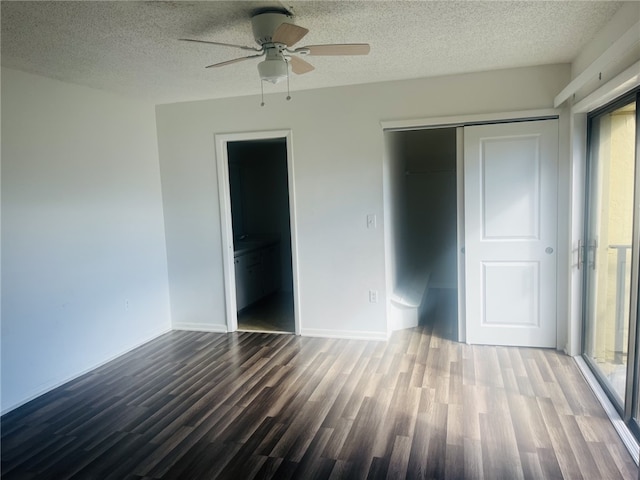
198,327
344,334
45,389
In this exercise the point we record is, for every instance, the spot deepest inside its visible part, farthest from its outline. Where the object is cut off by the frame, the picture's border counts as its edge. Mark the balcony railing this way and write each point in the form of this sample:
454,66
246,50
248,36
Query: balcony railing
621,275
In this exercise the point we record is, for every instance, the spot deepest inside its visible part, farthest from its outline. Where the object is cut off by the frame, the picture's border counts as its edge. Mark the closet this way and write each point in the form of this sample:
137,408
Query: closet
475,207
422,197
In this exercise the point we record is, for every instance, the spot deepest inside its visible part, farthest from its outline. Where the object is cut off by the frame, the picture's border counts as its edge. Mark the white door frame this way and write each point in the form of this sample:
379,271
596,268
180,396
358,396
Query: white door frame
475,119
224,194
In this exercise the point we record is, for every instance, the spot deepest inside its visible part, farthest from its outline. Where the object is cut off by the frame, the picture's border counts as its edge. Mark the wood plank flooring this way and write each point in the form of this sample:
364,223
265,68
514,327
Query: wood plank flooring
193,405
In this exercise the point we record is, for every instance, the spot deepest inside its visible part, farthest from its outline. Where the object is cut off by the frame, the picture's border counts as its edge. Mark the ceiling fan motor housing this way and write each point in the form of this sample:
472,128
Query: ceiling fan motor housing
265,24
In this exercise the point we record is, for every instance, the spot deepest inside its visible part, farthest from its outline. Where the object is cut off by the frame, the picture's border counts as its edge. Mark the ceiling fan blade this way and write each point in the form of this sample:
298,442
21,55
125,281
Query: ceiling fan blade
220,43
235,60
338,49
300,66
289,34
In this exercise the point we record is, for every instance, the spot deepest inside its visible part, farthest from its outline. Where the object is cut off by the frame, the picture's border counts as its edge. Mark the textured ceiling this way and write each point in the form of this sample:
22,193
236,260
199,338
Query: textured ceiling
132,48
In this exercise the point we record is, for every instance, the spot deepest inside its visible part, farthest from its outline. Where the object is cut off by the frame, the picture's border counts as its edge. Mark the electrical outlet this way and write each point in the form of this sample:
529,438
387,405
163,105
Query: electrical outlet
373,296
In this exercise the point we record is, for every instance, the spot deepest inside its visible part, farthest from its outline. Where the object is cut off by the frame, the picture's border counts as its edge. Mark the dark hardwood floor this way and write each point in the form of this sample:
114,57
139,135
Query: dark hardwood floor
253,405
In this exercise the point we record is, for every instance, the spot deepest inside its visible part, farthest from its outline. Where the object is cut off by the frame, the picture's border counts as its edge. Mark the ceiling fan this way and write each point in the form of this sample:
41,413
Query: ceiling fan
275,32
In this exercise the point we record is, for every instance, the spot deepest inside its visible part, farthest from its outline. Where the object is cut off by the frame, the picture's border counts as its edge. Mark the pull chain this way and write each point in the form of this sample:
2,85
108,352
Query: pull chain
288,93
262,92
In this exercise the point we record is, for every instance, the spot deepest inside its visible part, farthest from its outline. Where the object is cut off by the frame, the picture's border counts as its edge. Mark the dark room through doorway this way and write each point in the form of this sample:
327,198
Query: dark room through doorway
258,182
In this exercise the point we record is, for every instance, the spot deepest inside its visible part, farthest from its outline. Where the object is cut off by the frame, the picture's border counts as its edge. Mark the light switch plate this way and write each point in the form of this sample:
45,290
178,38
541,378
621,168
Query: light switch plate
371,220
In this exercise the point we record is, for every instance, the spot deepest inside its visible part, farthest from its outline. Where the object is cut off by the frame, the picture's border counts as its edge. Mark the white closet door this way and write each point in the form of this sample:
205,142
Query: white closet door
510,186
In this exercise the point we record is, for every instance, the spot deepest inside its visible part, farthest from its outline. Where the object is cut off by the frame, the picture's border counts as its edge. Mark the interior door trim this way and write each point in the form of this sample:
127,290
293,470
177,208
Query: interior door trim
224,195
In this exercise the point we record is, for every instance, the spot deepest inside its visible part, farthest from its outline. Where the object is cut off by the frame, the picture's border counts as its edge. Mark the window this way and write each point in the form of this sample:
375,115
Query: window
610,253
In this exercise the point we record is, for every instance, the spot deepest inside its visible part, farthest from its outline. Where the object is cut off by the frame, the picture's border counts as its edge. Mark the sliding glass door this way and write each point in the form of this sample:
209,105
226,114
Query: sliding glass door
610,252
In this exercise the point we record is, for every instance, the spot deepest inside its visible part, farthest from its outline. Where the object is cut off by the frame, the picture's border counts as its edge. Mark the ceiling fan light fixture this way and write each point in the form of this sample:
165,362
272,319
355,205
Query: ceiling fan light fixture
275,32
273,70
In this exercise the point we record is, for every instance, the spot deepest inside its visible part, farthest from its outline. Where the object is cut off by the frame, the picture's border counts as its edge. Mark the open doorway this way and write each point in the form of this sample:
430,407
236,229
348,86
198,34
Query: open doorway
261,234
423,194
257,211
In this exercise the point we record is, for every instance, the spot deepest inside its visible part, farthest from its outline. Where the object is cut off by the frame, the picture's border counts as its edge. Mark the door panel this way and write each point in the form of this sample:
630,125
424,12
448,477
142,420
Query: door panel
511,233
510,189
517,281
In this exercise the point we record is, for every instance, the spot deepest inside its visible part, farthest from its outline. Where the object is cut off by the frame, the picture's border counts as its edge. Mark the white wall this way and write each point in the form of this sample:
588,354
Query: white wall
626,17
338,149
84,274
